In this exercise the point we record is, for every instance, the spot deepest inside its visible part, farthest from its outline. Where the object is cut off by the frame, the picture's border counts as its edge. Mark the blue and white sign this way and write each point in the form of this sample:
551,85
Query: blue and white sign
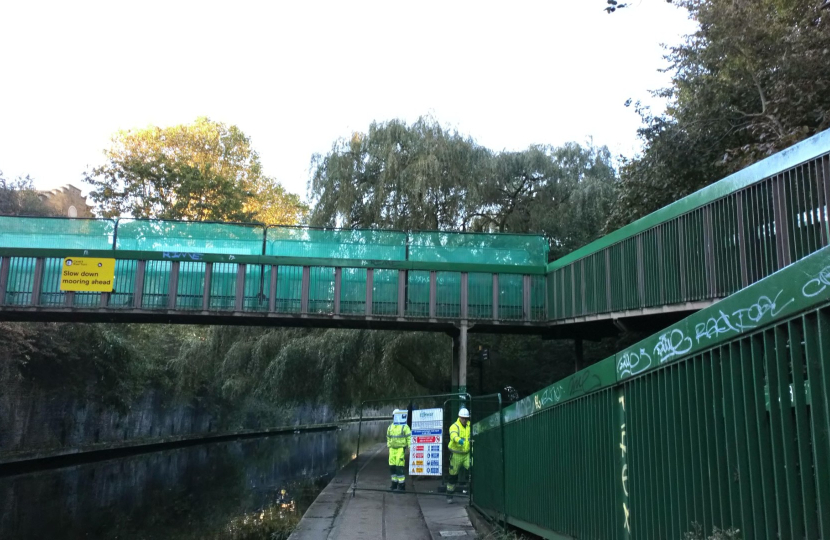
425,450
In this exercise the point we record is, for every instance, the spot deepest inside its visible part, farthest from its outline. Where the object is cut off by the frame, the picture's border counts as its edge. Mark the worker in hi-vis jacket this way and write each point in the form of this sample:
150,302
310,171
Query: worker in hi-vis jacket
398,436
459,447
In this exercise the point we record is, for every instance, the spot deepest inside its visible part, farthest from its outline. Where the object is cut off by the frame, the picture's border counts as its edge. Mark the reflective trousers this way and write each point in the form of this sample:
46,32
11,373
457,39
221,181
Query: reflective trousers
396,465
457,462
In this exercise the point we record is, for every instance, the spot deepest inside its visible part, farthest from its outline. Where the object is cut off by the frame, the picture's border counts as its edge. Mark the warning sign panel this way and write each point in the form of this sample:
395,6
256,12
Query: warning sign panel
425,452
86,274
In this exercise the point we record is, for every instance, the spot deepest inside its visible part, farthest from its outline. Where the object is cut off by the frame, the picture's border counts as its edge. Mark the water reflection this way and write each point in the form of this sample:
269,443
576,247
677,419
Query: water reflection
253,488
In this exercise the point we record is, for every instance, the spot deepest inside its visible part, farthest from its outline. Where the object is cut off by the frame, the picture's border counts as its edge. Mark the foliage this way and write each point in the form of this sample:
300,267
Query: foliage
287,366
697,533
396,176
500,534
18,197
753,80
270,523
205,171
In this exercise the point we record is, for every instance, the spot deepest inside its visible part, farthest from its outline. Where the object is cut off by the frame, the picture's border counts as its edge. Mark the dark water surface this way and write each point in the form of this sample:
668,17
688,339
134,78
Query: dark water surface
217,490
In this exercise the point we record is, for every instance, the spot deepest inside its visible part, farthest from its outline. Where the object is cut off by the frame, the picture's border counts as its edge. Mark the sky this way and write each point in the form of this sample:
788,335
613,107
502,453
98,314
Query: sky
296,76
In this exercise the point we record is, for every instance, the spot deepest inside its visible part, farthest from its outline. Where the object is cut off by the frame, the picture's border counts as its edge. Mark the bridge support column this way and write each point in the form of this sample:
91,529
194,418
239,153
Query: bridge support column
459,360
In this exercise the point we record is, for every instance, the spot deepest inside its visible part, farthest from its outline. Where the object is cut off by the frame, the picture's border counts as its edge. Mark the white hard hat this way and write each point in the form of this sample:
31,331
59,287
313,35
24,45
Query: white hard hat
463,413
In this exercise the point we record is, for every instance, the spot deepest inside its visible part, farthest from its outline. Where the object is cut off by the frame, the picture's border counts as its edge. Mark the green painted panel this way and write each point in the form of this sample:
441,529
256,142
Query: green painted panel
62,233
192,236
336,243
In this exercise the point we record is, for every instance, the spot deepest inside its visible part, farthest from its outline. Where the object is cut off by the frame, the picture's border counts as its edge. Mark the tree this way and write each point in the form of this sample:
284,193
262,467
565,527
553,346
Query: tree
397,176
753,80
18,197
562,192
205,171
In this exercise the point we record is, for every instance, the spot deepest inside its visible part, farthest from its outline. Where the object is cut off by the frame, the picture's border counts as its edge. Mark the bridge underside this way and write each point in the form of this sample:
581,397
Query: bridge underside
33,314
592,327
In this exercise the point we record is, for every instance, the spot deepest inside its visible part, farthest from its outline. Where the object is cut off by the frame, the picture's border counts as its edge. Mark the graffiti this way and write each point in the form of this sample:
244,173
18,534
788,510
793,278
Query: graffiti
584,382
760,309
525,407
671,344
551,395
175,255
624,463
633,363
741,319
714,327
818,284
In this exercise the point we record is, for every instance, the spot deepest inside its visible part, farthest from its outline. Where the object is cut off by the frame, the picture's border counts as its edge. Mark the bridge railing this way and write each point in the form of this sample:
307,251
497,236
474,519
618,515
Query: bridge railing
721,420
707,245
205,282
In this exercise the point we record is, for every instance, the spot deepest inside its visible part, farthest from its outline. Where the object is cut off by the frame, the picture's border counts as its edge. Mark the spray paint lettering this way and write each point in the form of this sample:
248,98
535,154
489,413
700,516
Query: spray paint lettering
671,344
633,363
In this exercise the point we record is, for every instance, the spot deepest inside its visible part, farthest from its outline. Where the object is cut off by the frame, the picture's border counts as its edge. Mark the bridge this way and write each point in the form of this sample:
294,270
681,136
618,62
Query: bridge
721,418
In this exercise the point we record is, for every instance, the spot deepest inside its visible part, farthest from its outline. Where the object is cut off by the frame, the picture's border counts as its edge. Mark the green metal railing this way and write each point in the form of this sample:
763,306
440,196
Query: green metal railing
287,285
721,420
707,245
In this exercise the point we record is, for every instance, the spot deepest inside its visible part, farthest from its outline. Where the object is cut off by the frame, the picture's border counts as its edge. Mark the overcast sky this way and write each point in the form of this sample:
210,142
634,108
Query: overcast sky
295,76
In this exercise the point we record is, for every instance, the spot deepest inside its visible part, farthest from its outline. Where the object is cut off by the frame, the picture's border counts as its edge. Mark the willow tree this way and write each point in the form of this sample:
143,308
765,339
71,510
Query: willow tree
399,176
203,171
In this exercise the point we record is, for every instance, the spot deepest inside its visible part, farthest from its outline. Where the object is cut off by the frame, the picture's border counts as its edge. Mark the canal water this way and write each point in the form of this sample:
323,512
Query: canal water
220,490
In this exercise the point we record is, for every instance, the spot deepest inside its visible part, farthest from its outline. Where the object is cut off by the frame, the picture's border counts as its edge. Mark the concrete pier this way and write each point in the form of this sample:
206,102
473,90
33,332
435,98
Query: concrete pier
377,513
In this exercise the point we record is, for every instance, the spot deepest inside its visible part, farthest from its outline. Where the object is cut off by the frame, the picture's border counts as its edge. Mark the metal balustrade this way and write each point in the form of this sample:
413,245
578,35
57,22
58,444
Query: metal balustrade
259,290
719,420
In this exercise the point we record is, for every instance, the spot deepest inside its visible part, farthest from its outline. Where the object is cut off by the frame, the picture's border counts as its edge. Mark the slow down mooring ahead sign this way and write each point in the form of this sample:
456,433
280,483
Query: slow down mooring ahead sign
86,274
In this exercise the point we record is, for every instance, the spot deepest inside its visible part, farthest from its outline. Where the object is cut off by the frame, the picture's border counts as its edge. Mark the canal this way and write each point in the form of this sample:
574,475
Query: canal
220,490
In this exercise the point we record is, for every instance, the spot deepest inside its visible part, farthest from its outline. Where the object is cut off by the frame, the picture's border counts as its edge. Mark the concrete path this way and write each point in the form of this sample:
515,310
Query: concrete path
375,513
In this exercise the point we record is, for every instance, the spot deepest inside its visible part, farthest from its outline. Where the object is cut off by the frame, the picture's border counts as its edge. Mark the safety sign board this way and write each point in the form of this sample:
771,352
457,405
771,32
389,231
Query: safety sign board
425,452
87,274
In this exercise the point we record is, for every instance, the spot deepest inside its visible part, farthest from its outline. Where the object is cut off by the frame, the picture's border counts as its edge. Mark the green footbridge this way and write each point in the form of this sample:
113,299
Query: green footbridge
721,419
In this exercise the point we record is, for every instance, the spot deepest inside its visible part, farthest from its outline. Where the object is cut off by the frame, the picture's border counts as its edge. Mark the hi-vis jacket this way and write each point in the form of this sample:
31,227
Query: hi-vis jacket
458,432
398,436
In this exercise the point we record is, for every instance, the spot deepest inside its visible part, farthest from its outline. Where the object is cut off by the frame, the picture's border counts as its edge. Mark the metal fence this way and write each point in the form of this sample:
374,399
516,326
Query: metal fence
706,246
721,420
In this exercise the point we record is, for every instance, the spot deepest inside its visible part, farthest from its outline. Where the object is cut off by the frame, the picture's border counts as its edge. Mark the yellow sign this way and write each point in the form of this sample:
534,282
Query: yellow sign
87,274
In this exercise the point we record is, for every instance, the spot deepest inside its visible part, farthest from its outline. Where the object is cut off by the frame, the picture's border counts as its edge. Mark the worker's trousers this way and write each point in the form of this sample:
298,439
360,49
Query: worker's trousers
396,465
457,462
